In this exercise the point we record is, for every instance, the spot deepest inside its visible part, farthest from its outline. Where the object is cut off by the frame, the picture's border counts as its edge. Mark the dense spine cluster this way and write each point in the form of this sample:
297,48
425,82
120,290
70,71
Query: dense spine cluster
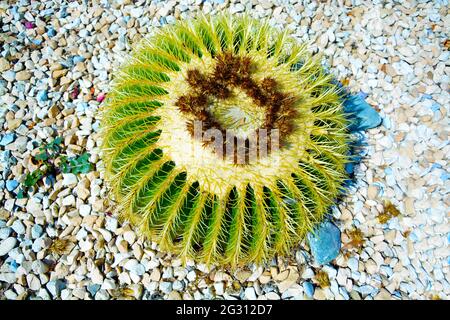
213,210
232,71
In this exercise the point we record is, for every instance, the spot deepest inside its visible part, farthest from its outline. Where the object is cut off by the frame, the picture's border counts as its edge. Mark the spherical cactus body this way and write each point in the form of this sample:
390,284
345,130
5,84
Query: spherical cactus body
224,140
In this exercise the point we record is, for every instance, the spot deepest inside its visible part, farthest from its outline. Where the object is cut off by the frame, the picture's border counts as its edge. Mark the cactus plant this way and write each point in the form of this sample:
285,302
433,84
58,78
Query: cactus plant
236,77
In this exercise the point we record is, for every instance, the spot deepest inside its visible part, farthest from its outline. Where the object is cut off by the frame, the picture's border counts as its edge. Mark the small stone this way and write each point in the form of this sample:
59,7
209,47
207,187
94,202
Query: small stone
155,275
319,294
122,246
372,192
8,277
250,293
309,289
68,201
219,287
82,193
66,294
55,287
108,284
294,292
99,205
33,282
376,28
59,73
53,111
23,75
138,269
4,64
34,206
9,75
86,245
111,224
352,263
51,32
178,285
11,185
101,97
136,12
406,51
29,25
325,242
371,267
366,290
168,273
174,295
69,180
409,205
383,295
93,288
238,7
106,234
243,275
21,144
165,287
96,276
39,267
42,96
191,276
288,281
36,231
18,227
77,59
323,40
14,123
11,295
4,233
37,245
272,296
130,237
85,210
135,267
308,273
7,139
386,142
79,293
7,245
102,295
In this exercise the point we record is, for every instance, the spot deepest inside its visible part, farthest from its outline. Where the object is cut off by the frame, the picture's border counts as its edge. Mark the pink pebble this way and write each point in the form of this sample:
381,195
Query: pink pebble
75,92
101,97
29,25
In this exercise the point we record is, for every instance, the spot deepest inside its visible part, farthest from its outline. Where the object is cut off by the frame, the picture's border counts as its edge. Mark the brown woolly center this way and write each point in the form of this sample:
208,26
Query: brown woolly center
231,84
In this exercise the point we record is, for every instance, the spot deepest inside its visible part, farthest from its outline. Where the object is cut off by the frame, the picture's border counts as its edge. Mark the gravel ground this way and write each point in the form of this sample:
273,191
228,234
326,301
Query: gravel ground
56,62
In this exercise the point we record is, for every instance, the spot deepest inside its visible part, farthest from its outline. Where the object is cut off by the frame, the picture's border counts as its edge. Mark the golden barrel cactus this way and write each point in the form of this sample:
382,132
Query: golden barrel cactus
224,140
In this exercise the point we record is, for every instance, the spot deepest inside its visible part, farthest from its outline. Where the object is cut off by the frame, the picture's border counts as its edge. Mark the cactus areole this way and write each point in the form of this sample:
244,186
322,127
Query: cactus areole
224,140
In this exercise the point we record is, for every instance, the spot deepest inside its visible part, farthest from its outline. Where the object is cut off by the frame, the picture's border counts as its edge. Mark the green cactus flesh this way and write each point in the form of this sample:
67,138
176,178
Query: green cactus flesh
233,75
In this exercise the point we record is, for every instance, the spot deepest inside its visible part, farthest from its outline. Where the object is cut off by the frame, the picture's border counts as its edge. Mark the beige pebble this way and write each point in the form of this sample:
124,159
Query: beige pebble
372,192
23,75
4,64
409,206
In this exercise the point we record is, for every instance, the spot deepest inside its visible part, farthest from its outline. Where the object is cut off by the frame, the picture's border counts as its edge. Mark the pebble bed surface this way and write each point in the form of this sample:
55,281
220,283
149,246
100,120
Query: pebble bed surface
56,62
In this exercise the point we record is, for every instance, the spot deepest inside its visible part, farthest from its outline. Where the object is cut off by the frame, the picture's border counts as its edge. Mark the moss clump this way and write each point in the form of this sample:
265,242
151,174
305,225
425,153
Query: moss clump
322,279
264,166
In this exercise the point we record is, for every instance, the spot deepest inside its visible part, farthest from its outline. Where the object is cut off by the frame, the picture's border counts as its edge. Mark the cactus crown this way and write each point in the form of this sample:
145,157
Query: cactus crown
224,140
